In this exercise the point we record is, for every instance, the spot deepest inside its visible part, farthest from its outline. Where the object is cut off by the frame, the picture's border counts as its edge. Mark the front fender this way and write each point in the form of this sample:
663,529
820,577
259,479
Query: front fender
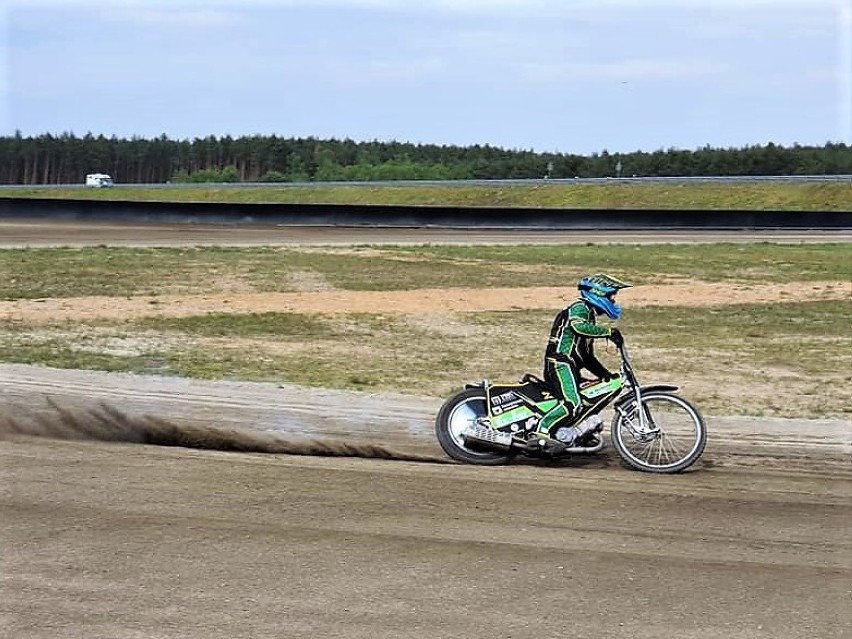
645,389
483,383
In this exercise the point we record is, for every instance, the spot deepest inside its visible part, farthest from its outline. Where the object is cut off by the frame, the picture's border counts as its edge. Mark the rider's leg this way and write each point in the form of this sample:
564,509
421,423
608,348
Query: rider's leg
563,379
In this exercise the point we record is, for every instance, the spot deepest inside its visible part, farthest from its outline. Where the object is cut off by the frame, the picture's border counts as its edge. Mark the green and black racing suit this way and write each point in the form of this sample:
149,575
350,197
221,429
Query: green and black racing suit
570,349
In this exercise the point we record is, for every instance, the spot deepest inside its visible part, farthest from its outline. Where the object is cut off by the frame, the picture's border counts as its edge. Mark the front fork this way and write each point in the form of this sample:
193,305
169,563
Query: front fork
643,431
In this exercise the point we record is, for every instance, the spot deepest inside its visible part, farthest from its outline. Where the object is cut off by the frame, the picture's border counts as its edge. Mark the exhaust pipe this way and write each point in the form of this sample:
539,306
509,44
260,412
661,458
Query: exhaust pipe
483,436
585,450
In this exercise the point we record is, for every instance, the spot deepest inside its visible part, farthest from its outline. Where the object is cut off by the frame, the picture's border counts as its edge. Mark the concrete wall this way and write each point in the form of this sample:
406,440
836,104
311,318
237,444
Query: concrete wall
418,216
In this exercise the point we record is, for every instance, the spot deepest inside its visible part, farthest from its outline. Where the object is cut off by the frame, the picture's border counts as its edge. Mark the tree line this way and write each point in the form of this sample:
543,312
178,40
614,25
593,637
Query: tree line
67,158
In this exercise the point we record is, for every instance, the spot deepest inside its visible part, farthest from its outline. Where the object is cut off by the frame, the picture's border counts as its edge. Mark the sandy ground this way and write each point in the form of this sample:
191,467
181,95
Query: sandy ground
451,300
108,529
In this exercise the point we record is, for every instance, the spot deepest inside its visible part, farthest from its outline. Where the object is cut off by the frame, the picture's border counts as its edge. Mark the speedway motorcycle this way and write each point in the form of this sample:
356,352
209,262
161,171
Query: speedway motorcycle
654,429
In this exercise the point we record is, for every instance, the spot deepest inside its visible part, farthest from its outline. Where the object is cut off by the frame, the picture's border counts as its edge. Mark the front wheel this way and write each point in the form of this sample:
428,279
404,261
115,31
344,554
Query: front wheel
457,413
671,439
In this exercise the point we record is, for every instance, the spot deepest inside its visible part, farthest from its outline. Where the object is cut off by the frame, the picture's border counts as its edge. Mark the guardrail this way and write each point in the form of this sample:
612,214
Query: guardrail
419,216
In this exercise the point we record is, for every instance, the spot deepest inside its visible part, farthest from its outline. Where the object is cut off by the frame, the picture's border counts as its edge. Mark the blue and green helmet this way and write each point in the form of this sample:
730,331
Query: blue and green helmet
599,290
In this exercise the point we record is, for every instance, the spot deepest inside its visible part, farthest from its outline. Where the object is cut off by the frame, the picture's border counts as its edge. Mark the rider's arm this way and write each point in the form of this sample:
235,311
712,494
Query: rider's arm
581,323
596,368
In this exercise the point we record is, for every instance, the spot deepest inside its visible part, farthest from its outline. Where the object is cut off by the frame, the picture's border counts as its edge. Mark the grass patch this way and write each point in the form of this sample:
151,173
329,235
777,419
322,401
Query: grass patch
278,325
743,324
785,360
759,262
72,272
742,196
35,273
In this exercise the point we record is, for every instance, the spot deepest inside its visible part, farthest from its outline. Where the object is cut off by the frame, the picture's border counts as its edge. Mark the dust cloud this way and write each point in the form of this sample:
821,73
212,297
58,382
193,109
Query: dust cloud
107,424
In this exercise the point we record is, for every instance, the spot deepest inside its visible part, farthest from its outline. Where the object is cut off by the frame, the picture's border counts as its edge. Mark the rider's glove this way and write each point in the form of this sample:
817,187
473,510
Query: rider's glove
616,337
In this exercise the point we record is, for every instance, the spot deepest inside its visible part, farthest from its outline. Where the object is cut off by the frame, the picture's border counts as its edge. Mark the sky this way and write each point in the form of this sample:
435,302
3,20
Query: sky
560,76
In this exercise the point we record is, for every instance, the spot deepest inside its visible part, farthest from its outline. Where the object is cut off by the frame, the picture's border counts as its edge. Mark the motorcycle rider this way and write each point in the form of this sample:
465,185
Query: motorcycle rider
570,348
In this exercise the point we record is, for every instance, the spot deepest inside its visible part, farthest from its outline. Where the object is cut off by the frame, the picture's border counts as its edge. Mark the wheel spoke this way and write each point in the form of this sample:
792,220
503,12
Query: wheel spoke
659,442
674,447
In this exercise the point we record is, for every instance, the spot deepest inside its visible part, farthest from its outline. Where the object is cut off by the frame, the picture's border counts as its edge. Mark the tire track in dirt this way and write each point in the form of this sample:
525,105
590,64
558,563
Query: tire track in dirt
230,415
106,423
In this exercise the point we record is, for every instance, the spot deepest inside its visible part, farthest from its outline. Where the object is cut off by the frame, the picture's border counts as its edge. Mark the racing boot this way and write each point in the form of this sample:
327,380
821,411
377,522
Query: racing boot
542,442
542,446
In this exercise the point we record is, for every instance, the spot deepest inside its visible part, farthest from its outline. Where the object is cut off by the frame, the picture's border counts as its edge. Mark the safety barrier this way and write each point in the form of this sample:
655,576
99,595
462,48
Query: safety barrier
420,216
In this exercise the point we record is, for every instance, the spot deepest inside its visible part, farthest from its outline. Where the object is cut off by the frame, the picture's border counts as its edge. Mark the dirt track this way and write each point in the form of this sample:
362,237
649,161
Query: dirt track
42,233
107,539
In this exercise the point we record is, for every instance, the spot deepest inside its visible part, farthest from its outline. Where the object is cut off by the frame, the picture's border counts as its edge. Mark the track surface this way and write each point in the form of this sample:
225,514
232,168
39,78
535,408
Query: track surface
35,232
129,540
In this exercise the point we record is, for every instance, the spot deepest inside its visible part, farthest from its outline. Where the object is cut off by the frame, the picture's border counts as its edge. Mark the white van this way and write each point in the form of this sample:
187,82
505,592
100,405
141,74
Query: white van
98,180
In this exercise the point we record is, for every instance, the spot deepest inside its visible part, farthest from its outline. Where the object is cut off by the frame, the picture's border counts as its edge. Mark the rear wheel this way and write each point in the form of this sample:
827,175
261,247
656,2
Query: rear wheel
457,413
672,439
